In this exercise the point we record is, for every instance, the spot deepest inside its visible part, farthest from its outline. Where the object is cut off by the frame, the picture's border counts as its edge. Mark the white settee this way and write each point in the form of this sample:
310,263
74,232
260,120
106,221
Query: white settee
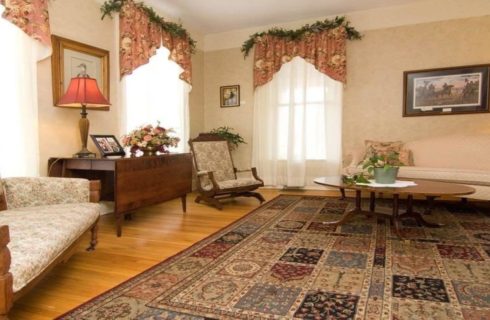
458,158
41,222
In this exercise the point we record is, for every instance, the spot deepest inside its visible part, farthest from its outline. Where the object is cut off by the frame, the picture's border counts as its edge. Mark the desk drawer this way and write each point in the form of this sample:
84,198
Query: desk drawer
78,164
108,165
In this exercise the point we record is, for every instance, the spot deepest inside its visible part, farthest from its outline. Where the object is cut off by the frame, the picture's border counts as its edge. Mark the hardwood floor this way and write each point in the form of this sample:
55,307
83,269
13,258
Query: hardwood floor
155,233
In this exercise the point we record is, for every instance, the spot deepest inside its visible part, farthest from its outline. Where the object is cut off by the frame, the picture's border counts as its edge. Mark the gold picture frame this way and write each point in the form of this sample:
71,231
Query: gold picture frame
230,96
69,58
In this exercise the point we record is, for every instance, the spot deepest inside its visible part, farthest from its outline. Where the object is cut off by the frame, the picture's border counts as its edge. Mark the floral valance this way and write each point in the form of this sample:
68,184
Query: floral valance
31,16
322,44
142,32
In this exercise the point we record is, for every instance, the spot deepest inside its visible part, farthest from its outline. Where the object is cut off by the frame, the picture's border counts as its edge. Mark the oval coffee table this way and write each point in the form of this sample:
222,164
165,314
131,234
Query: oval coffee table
425,188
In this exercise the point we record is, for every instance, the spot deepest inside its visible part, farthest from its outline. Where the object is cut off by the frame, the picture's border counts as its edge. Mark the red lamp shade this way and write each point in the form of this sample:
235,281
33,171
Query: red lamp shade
83,91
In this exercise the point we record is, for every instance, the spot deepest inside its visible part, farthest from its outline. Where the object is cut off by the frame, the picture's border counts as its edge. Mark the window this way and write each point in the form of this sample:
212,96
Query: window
154,92
18,102
297,125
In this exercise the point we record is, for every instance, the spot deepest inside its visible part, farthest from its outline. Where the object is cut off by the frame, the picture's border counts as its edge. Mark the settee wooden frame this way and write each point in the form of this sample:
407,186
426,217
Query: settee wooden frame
215,194
7,294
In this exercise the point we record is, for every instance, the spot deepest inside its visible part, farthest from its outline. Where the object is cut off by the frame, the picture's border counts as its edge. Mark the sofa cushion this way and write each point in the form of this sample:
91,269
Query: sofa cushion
40,191
461,151
38,235
464,176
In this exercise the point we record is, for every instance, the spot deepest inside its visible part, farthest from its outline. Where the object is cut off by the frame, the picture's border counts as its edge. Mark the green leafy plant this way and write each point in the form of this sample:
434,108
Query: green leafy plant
385,161
356,178
175,29
234,139
319,26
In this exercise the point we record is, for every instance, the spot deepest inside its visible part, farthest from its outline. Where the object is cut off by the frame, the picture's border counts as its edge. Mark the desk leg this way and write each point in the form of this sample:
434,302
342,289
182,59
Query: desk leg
119,221
372,201
184,202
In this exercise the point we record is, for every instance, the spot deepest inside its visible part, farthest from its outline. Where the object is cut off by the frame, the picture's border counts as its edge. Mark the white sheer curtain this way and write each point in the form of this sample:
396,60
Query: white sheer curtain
297,126
154,92
19,143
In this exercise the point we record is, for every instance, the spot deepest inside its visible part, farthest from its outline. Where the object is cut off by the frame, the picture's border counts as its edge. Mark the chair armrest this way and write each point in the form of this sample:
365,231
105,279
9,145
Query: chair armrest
207,175
38,191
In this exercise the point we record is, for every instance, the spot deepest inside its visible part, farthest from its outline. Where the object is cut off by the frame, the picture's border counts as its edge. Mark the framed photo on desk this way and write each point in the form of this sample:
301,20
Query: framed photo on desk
107,145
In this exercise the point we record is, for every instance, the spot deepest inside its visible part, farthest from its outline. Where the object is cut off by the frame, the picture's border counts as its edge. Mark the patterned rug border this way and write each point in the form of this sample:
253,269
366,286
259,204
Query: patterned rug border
178,254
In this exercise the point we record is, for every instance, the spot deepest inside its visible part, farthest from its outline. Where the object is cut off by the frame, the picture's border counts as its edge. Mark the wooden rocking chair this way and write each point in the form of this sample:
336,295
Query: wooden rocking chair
216,174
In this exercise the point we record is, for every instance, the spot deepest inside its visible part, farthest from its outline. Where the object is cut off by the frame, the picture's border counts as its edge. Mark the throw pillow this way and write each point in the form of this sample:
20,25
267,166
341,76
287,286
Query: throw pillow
386,147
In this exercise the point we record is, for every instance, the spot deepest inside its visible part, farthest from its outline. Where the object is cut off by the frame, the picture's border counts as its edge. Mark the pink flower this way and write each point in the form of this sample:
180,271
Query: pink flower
147,138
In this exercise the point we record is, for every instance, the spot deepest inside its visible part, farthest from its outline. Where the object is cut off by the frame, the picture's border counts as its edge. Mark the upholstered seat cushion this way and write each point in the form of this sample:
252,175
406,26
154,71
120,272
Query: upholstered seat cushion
235,183
38,235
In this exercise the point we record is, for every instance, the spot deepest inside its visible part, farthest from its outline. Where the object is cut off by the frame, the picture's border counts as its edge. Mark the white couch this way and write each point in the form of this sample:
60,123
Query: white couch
458,158
44,220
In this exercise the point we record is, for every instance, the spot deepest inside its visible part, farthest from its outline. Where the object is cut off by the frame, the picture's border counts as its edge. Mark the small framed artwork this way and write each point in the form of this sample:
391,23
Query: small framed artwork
230,96
455,90
107,145
71,59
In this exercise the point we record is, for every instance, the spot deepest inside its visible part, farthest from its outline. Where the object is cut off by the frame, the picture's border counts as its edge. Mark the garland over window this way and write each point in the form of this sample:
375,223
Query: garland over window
31,16
142,31
322,44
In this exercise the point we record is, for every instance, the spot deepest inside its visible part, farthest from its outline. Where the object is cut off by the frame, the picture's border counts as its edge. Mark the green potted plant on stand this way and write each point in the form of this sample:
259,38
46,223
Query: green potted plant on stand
234,139
384,167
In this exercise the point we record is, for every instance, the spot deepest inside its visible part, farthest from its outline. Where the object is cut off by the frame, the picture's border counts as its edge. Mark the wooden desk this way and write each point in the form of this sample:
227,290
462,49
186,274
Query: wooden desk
132,183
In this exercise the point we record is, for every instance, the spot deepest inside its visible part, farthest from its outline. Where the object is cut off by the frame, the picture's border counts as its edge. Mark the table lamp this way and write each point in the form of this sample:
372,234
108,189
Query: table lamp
82,91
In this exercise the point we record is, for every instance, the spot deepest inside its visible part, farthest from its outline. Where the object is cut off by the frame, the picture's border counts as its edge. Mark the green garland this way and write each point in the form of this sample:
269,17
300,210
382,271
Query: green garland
175,29
319,26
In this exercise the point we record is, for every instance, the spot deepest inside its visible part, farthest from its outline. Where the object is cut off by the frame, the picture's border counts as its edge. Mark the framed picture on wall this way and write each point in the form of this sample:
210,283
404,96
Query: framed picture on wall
230,96
70,59
107,145
455,90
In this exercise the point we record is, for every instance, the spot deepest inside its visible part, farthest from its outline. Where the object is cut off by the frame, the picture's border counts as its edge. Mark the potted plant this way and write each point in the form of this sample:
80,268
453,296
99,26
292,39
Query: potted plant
234,139
384,167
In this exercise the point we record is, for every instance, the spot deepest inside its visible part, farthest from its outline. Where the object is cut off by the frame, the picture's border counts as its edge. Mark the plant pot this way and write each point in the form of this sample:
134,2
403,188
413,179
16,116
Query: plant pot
385,175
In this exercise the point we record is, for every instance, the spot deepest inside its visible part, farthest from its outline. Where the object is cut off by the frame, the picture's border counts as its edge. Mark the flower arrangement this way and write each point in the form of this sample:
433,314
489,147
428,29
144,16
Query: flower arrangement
150,138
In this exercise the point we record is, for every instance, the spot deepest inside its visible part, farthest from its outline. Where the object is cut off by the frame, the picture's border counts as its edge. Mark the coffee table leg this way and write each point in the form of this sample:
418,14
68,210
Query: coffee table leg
350,213
395,217
342,194
417,216
430,204
372,201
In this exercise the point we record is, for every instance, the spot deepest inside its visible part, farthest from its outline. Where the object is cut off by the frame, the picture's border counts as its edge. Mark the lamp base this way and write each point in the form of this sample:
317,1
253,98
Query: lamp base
84,153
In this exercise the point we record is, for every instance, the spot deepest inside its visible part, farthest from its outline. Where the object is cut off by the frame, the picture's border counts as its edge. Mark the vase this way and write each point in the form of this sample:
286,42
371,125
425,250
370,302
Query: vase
385,175
149,150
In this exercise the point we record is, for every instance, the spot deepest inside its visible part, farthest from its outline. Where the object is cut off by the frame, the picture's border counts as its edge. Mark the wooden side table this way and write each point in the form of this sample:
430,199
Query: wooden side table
132,183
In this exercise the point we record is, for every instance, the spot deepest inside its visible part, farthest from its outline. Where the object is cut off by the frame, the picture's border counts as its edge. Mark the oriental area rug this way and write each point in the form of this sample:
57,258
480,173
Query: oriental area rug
282,262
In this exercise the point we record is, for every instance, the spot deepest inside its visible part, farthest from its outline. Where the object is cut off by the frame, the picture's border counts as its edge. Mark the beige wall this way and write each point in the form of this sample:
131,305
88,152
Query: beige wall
227,67
58,127
373,96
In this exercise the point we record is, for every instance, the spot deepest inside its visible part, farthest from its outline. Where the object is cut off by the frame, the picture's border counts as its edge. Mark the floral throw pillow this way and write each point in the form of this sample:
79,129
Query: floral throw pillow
387,147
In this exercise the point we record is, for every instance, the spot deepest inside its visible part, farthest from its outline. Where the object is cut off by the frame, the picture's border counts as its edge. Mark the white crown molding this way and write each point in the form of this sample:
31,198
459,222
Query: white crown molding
380,18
